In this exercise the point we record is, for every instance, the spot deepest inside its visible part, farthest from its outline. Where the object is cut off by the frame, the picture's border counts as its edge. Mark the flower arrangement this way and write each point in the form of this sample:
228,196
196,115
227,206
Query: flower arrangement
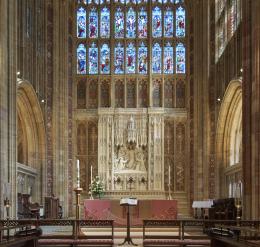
97,187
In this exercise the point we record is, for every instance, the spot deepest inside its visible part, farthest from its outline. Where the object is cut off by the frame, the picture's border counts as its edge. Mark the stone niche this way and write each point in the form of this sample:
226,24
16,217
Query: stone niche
130,153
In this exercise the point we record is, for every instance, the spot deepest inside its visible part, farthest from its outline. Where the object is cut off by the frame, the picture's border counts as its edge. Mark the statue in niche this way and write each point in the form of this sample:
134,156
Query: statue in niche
139,158
131,158
121,160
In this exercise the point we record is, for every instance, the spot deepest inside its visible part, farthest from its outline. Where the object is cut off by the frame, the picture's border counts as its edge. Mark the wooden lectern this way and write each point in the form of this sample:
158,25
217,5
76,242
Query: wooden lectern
128,202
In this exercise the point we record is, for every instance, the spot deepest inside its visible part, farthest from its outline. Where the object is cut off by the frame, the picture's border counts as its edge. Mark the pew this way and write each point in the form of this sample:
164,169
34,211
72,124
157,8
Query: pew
78,238
162,239
22,235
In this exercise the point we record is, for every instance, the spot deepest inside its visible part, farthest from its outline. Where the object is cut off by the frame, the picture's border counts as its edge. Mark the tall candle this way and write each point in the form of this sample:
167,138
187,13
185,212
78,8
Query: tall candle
169,175
91,179
78,174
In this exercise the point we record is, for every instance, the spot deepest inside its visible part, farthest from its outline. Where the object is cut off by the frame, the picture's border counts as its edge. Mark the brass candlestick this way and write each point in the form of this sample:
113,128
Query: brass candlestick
78,191
7,207
238,205
169,192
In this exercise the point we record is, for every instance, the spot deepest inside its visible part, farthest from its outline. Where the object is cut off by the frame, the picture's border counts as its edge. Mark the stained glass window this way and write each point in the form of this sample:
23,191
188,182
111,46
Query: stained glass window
168,1
81,59
119,23
93,59
105,23
93,23
142,59
92,1
130,59
149,36
105,59
142,23
81,23
180,58
168,59
119,59
157,22
156,58
168,23
179,1
180,22
130,24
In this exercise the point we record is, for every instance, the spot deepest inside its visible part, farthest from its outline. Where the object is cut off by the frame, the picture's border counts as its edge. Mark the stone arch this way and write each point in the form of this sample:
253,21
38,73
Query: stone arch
229,138
31,131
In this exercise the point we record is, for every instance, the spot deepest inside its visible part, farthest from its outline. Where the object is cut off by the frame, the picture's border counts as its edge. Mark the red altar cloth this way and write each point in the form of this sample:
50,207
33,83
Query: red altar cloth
145,209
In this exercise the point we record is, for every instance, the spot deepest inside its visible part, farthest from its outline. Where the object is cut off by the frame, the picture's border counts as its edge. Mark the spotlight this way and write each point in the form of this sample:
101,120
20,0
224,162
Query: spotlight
18,73
218,99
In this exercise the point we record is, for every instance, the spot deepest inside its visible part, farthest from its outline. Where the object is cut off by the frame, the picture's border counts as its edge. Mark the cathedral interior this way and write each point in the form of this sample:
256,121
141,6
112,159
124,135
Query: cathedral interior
158,99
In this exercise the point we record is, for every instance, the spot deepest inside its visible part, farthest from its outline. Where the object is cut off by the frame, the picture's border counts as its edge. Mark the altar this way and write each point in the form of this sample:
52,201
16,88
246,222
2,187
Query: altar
145,209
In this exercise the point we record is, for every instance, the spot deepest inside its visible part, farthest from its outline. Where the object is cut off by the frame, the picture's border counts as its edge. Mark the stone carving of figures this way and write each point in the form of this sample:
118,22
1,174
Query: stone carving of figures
120,163
131,159
139,158
121,159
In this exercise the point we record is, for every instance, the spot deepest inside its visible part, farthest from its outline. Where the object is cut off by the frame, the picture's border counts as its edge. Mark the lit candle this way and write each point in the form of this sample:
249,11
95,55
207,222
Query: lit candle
91,174
169,175
78,174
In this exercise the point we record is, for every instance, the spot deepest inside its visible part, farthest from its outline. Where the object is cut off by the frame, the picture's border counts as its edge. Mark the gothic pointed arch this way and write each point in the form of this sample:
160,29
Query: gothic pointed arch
229,139
30,139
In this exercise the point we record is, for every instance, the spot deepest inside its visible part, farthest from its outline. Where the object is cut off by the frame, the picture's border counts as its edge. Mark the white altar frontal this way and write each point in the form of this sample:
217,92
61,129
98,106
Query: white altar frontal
130,153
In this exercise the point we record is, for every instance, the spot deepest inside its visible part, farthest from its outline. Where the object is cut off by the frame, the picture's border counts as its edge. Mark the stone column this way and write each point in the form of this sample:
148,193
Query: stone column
60,104
8,53
251,108
199,101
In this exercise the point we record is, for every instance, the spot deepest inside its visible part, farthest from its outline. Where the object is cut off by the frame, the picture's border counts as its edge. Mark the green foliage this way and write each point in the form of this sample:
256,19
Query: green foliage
97,187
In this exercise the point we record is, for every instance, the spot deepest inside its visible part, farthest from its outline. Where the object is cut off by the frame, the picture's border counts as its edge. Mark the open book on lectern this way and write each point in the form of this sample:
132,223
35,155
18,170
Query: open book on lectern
128,201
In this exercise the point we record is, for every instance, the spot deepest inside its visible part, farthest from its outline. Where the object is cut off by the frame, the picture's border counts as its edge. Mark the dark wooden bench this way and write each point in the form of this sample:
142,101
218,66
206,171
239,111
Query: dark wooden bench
28,241
169,239
15,235
79,239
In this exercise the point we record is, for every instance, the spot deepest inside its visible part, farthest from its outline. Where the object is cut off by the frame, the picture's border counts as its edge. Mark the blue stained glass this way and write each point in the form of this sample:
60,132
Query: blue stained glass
120,1
130,24
180,22
93,23
105,59
180,58
93,1
81,59
141,1
168,59
157,58
81,23
93,59
142,59
179,1
119,23
157,1
168,1
142,24
168,23
105,23
157,22
130,1
119,59
130,59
